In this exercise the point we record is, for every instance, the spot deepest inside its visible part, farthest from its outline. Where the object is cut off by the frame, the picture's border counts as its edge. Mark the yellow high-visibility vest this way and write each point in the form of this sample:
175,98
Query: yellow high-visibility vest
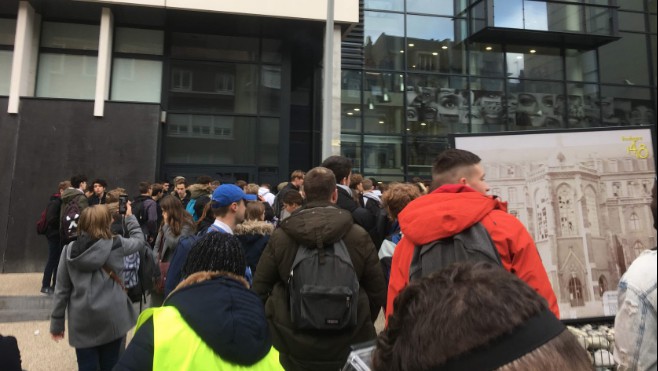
177,347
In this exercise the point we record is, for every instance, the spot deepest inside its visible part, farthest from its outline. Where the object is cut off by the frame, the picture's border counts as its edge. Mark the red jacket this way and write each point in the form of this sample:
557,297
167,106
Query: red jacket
453,208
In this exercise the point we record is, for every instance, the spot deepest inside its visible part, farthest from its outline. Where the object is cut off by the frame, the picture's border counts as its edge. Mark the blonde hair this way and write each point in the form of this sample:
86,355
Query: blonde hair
251,189
95,221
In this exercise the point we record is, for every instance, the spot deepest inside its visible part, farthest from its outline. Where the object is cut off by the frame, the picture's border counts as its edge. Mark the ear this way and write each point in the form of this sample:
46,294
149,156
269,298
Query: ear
334,196
462,180
234,207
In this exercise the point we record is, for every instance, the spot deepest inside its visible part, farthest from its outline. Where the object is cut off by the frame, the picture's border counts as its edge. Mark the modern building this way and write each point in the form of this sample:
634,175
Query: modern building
132,90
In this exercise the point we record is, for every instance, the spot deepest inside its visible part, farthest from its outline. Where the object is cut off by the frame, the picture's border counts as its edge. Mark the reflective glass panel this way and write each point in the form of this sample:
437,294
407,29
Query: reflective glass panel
421,152
136,80
69,36
626,106
214,47
7,31
384,40
435,104
508,13
213,87
531,62
559,17
535,15
580,105
431,45
397,5
533,104
350,147
271,51
207,139
632,21
488,108
441,7
66,76
382,154
5,70
268,142
614,59
383,103
598,20
139,41
486,60
351,84
581,65
633,4
270,91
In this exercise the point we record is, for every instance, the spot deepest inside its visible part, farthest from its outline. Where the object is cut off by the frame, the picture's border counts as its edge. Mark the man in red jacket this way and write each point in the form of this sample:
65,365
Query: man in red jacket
459,202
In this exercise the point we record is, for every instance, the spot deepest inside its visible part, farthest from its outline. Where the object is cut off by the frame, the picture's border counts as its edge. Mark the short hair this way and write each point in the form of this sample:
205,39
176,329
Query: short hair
297,174
95,221
64,184
293,197
180,181
367,184
204,179
113,195
240,183
102,182
341,166
255,210
143,187
251,189
397,196
216,252
450,164
319,184
355,180
77,179
221,211
157,189
465,308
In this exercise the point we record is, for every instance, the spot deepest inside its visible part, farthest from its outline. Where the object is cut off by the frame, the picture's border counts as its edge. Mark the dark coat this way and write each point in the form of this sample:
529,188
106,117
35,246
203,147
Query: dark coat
52,217
315,350
222,311
361,216
254,236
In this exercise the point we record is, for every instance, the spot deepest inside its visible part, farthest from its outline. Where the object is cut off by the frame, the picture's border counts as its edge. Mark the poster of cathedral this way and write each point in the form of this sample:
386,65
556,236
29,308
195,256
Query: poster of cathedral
584,197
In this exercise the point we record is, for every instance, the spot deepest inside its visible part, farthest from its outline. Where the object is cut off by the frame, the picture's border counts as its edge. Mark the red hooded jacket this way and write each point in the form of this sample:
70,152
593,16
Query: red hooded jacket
453,208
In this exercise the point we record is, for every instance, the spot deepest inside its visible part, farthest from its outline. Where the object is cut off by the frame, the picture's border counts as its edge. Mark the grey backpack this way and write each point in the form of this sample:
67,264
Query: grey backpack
472,244
324,288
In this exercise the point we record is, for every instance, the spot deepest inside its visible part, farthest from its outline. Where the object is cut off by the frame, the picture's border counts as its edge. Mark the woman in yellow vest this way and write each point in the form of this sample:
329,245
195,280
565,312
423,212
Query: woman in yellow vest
211,321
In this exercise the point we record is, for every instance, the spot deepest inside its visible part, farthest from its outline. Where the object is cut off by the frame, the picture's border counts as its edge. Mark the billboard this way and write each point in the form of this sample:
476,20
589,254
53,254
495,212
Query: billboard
585,198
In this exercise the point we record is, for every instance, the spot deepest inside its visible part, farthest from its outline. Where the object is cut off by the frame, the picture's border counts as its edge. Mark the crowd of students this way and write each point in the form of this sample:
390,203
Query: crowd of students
231,251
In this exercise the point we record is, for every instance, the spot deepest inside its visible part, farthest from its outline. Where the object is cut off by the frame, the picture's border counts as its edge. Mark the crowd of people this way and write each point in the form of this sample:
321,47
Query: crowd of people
292,277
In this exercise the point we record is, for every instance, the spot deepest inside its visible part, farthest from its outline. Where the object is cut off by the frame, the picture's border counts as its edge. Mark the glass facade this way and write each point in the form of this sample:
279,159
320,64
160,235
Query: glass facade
424,78
224,102
7,31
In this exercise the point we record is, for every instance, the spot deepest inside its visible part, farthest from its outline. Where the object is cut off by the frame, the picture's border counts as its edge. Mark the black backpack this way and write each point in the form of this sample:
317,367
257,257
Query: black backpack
138,209
472,244
70,219
323,288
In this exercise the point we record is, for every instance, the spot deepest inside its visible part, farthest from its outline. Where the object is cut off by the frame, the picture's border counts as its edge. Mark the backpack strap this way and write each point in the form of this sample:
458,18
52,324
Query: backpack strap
114,276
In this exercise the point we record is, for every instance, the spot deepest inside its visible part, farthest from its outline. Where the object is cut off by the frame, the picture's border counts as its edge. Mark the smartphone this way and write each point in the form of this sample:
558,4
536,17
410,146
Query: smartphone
123,204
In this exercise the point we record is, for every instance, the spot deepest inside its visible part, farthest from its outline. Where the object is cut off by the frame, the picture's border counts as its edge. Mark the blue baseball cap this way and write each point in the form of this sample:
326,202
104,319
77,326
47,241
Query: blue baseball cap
227,194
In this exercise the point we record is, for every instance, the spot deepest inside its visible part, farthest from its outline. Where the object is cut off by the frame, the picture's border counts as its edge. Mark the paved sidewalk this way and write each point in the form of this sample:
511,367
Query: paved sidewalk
38,351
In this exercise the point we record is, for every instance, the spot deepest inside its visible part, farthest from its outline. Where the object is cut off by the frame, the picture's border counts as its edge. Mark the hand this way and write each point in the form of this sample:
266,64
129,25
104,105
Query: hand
129,208
58,337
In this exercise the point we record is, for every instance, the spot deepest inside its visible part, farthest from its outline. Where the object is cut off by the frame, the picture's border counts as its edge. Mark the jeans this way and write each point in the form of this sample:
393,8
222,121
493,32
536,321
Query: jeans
103,357
50,272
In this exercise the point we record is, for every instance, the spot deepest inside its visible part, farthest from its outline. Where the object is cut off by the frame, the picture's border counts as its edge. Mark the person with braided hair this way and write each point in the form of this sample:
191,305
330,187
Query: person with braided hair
211,321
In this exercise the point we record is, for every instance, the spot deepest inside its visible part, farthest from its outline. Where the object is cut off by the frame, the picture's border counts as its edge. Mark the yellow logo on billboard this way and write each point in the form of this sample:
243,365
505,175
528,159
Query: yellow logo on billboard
637,149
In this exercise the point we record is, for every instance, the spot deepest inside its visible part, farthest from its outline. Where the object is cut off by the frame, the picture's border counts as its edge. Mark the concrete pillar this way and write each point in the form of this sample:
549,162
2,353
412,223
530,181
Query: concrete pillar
104,68
26,50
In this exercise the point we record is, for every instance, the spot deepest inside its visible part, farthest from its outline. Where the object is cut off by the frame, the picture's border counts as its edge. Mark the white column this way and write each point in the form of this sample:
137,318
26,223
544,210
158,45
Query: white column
104,62
331,86
26,49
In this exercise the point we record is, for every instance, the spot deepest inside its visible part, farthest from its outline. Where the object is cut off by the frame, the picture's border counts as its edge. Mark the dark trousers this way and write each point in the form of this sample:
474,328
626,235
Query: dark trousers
50,272
103,357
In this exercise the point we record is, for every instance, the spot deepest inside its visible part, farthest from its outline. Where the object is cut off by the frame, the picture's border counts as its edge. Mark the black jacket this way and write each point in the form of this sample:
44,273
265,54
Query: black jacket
210,308
360,215
52,217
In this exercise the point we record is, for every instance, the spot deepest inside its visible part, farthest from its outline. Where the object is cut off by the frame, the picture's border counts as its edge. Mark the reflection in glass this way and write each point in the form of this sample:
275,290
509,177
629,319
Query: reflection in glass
206,139
431,45
5,70
383,95
69,36
138,41
613,59
136,80
268,142
383,154
397,5
486,60
350,147
537,105
215,87
581,65
213,47
421,152
534,63
581,109
508,13
441,7
384,40
270,90
535,15
66,76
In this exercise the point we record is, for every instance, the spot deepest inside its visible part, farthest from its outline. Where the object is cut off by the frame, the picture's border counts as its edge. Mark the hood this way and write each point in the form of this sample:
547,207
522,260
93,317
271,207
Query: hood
69,193
317,224
445,212
198,190
229,317
372,196
254,227
263,191
87,254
